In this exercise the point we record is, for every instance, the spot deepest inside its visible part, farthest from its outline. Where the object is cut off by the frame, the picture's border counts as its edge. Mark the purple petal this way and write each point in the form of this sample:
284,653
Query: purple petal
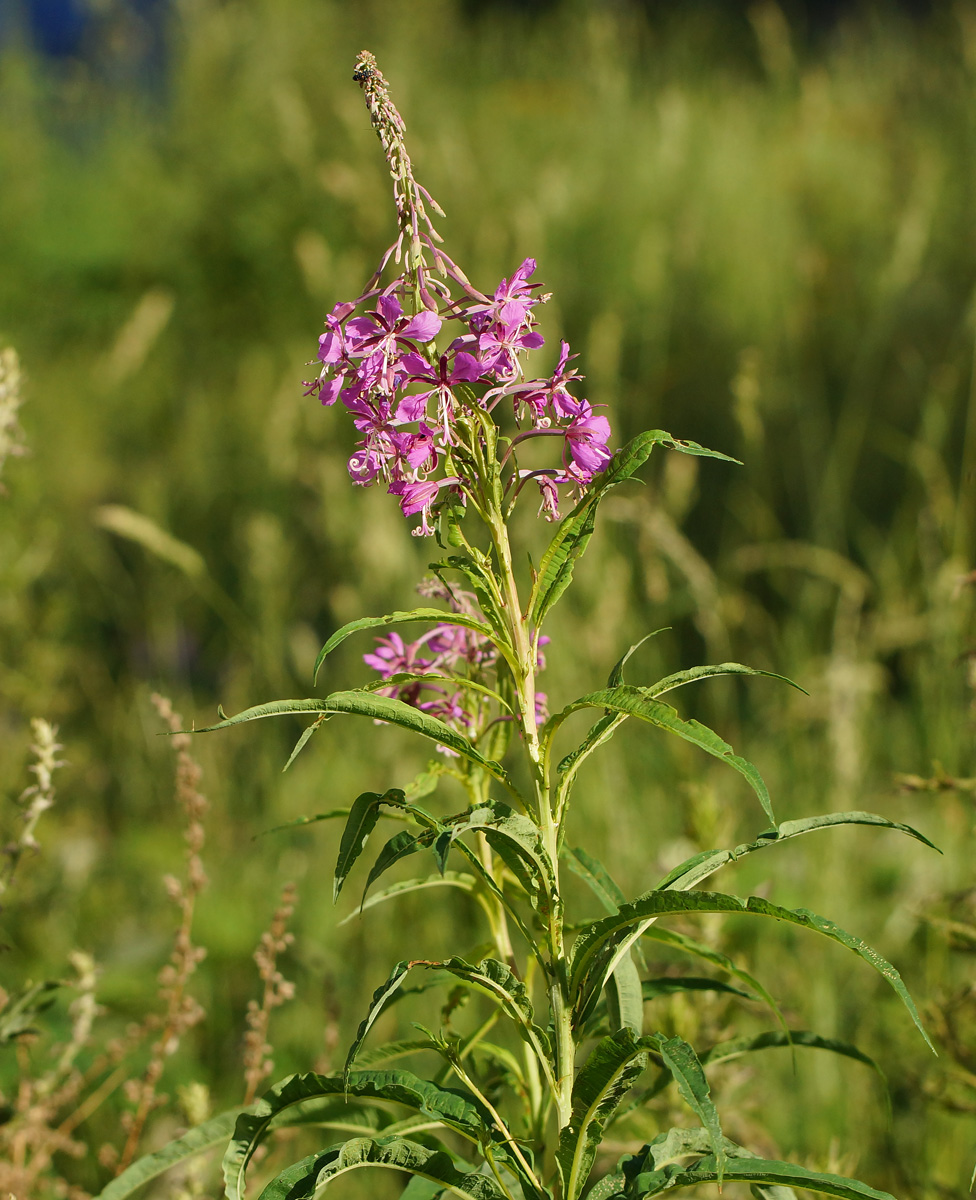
423,326
389,308
466,368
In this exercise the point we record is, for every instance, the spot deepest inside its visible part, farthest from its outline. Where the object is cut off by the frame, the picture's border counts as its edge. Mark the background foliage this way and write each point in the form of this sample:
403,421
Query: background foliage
755,240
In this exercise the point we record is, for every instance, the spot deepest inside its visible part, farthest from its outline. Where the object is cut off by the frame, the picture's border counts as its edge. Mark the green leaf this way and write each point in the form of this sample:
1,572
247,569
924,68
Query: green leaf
332,815
302,742
311,1176
656,1169
653,989
401,845
669,985
391,1051
363,815
599,734
478,574
430,680
448,879
195,1141
452,1109
686,1070
376,1005
594,946
489,976
574,531
517,841
777,1039
401,618
608,1074
693,674
616,676
701,866
379,708
625,1000
750,1170
594,873
632,701
563,552
690,946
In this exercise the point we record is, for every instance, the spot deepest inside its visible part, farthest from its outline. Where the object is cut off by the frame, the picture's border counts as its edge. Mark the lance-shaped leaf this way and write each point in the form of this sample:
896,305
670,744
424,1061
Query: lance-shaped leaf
379,1001
479,574
401,618
608,1074
686,1070
634,702
309,1178
574,531
696,949
430,679
601,884
197,1140
777,1039
596,876
378,708
625,1000
448,1107
687,874
597,937
518,843
607,725
303,742
658,1166
653,989
363,815
489,976
694,674
455,879
750,1170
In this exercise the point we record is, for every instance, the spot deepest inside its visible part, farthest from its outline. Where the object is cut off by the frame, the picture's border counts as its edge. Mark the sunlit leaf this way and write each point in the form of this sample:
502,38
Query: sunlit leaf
701,866
309,1178
574,531
633,702
400,618
686,1070
625,1000
490,976
597,939
751,1170
363,815
616,676
200,1138
451,1108
454,879
378,708
303,742
777,1039
608,1074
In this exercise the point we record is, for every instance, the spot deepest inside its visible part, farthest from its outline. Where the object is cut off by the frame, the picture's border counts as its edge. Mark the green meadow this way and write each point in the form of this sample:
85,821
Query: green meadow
758,240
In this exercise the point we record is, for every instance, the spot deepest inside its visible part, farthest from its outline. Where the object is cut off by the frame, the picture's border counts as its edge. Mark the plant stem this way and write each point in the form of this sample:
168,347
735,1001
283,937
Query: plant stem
525,654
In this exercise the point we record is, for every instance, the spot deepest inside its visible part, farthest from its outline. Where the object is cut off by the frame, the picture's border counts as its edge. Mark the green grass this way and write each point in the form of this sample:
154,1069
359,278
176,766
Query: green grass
764,248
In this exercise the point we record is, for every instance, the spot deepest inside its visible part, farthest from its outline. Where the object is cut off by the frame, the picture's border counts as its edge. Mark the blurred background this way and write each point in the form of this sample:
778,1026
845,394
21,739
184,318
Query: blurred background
757,222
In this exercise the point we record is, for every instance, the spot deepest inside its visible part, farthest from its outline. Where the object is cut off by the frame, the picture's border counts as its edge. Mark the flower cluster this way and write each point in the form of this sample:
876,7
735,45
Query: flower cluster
442,656
405,399
408,396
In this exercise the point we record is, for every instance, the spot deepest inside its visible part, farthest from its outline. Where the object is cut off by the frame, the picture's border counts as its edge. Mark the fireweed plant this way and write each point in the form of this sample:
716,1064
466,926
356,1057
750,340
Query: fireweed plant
435,376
